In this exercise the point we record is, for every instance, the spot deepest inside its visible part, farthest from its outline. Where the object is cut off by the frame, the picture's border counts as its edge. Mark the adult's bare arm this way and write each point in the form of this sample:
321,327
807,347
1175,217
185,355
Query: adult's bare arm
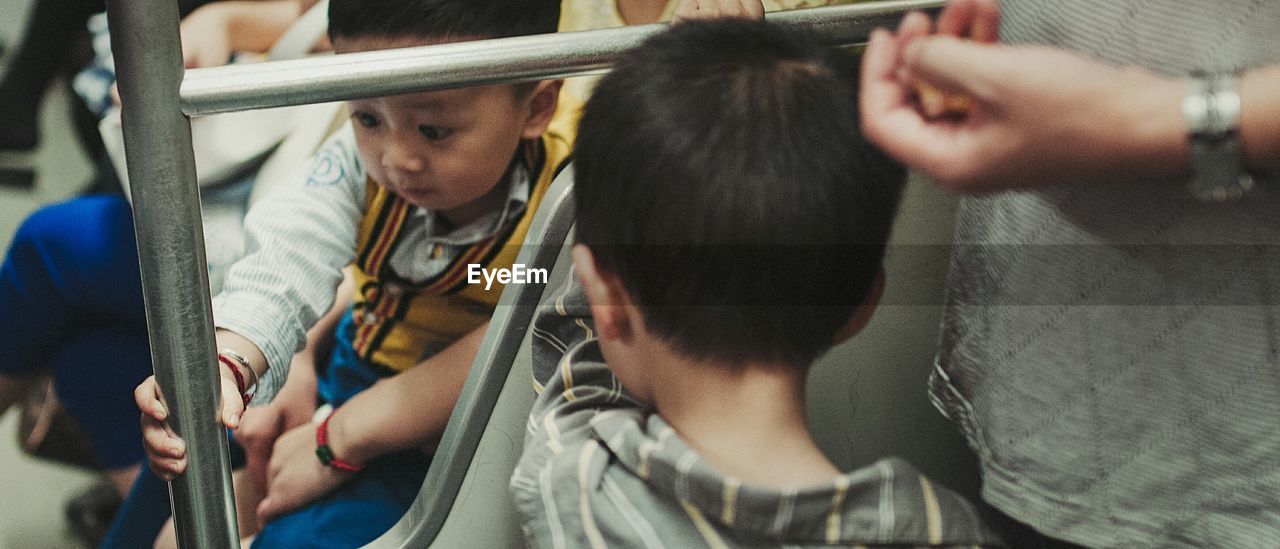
409,410
213,32
1041,116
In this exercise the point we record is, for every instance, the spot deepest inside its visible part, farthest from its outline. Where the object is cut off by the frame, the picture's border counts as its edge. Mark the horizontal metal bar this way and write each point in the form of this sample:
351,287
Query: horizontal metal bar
461,64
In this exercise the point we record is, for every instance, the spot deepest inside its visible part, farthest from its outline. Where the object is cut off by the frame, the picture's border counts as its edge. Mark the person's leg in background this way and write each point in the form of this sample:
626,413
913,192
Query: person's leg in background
71,303
142,514
50,30
146,509
94,376
47,46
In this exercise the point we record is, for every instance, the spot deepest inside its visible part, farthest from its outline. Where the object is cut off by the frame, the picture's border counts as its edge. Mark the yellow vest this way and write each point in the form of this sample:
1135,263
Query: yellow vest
397,322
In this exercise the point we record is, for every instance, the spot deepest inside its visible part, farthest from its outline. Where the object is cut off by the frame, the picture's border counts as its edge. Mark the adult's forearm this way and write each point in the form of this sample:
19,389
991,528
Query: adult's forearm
1156,143
1043,116
407,411
1260,119
1158,130
256,25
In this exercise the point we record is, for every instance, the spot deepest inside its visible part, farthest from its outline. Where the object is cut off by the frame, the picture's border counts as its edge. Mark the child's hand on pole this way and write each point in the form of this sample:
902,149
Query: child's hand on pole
166,451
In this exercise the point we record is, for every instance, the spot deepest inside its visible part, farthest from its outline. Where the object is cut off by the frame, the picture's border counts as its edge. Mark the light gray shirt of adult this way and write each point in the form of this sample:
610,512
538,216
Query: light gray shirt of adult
1111,351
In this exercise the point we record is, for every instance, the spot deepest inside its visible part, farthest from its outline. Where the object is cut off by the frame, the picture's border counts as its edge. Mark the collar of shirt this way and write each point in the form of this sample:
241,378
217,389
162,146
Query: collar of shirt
438,231
428,245
888,501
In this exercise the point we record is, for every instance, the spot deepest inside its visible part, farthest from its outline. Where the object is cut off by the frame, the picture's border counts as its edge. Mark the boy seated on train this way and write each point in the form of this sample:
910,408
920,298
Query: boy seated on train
417,191
731,224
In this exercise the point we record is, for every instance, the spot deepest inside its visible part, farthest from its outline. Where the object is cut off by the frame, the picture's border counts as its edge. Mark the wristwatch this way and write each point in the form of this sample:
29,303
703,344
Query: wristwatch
1212,111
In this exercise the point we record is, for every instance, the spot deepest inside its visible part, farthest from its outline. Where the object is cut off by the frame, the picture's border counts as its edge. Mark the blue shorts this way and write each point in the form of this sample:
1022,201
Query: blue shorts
357,512
372,502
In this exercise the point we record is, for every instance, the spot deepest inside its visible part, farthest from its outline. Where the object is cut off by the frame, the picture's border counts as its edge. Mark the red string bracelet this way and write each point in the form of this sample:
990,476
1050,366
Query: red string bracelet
244,363
325,453
235,371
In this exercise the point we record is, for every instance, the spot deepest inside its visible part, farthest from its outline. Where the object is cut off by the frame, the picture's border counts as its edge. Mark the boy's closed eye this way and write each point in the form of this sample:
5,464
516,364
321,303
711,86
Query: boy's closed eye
365,119
430,132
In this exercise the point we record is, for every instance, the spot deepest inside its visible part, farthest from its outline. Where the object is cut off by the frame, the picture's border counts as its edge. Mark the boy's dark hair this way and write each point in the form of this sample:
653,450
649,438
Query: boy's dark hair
442,19
721,176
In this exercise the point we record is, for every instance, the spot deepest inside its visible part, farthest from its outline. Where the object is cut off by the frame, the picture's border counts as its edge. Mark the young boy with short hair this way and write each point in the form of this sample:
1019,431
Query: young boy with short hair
731,227
416,189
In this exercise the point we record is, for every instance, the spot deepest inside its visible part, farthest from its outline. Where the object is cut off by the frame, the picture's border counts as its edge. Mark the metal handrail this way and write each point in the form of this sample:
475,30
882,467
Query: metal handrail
157,97
522,58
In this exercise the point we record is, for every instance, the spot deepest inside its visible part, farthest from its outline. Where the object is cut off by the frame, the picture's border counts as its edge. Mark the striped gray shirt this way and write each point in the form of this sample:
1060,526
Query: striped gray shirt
1113,352
600,471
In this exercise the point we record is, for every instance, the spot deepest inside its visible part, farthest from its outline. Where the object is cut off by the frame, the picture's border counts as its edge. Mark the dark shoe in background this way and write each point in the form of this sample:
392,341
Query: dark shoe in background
17,152
89,514
17,169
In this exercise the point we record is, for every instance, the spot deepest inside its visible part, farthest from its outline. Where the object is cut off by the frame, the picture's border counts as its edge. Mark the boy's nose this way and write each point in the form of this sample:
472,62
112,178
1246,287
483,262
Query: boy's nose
402,160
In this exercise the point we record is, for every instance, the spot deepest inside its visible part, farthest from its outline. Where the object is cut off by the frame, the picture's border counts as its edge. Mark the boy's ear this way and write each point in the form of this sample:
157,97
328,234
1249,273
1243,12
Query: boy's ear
862,315
609,303
543,101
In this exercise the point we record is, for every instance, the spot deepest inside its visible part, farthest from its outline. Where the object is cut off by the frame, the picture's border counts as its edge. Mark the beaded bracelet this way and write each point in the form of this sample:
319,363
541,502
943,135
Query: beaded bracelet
235,372
325,453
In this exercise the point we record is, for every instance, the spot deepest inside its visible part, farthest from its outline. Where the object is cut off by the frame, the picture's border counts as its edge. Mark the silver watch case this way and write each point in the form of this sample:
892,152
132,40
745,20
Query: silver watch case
1212,111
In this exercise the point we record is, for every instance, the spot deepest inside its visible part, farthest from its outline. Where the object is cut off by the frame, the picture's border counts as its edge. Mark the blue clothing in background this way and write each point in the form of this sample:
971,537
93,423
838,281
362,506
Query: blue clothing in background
71,304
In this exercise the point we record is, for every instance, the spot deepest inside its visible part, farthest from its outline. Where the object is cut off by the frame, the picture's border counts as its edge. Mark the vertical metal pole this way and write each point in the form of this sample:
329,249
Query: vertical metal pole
166,211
